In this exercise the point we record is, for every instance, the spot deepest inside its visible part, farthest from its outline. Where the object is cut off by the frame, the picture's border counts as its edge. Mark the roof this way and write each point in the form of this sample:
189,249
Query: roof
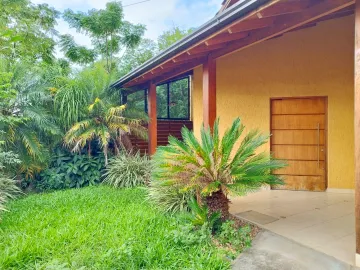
210,27
241,24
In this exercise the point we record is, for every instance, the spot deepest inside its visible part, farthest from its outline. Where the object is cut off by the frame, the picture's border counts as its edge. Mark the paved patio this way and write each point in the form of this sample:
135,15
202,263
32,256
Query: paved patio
323,221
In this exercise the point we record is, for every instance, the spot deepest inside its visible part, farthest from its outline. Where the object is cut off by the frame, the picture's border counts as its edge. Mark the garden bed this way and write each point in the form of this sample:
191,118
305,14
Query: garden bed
101,228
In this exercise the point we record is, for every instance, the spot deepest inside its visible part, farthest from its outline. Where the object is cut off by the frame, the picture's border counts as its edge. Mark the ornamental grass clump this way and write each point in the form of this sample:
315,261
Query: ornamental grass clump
128,170
214,166
8,190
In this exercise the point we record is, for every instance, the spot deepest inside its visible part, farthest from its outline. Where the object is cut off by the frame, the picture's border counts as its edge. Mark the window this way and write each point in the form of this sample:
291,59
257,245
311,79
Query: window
173,99
136,101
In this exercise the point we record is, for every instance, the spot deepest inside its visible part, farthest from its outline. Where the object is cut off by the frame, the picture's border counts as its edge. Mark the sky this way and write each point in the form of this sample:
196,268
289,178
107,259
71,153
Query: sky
157,15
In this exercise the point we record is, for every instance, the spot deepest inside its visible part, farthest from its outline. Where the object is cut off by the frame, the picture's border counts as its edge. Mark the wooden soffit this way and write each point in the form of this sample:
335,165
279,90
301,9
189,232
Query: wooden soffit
271,20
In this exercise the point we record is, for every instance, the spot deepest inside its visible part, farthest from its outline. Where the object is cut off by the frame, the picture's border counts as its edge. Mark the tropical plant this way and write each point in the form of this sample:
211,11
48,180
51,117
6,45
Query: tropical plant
169,198
8,190
106,123
90,112
25,115
128,170
215,166
200,216
68,170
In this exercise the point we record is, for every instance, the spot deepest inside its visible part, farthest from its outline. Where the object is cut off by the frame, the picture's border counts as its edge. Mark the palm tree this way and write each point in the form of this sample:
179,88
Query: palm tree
105,123
26,115
213,166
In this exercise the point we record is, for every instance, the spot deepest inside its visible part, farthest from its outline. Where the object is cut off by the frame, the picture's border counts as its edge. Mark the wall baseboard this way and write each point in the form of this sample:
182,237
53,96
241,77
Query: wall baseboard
339,190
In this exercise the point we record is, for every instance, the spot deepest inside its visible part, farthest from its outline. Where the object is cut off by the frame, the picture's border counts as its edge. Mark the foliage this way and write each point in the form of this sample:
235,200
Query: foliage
25,114
108,30
190,235
134,57
8,190
128,170
171,36
169,199
200,215
89,109
238,238
215,164
70,171
27,30
99,228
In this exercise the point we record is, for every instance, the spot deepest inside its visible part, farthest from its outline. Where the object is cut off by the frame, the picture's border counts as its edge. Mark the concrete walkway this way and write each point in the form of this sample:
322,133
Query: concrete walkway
274,252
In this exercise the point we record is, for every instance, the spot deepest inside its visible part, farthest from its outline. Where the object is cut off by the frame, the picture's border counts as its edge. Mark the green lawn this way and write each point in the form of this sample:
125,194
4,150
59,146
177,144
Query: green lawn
98,228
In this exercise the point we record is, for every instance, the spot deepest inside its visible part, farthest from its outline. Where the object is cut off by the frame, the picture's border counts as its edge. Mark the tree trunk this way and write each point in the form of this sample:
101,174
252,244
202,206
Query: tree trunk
218,202
106,155
89,148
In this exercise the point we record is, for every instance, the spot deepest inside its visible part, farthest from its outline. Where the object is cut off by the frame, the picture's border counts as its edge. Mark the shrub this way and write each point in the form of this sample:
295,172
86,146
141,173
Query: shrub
68,170
214,166
238,238
200,216
128,170
168,198
8,190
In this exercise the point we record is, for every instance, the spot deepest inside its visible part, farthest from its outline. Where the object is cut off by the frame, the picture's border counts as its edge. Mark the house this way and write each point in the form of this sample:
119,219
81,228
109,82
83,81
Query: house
287,67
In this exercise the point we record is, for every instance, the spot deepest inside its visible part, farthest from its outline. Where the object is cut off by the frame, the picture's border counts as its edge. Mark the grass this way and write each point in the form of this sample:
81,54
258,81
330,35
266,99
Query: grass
98,228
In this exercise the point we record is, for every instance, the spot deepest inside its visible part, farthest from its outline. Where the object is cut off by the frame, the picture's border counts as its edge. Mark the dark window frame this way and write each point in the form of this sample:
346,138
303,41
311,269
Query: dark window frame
167,83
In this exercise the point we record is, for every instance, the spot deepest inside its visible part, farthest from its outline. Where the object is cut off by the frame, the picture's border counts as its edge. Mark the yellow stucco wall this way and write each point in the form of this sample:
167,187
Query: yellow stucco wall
316,61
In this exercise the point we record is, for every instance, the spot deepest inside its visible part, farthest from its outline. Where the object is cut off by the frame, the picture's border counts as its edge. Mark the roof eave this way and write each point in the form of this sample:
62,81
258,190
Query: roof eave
218,22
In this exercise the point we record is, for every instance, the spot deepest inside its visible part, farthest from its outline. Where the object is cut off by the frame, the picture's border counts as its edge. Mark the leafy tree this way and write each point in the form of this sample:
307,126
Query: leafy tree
27,30
90,110
215,166
25,115
108,30
171,36
134,57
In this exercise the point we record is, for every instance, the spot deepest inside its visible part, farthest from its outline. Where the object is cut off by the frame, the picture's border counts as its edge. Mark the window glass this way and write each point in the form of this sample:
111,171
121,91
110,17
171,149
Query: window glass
179,99
162,101
136,101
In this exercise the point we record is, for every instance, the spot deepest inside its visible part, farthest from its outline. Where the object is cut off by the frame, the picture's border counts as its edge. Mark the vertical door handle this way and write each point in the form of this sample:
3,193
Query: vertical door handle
318,144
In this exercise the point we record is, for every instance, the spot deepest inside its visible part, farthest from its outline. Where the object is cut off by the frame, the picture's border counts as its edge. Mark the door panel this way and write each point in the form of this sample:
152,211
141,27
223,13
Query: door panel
298,137
307,183
302,167
298,128
298,121
299,152
299,106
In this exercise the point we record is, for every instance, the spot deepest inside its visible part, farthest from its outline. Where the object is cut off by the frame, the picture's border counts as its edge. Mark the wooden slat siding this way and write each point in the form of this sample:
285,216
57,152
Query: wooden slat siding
165,129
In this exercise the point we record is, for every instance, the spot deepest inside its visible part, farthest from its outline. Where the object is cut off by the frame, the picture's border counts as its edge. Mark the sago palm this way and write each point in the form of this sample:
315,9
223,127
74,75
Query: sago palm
213,166
105,123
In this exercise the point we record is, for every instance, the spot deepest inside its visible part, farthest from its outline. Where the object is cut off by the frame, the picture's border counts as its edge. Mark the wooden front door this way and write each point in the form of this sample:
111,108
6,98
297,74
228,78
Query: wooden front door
298,128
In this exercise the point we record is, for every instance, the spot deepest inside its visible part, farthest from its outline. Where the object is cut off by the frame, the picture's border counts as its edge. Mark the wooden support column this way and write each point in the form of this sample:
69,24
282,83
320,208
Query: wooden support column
357,129
209,92
152,129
